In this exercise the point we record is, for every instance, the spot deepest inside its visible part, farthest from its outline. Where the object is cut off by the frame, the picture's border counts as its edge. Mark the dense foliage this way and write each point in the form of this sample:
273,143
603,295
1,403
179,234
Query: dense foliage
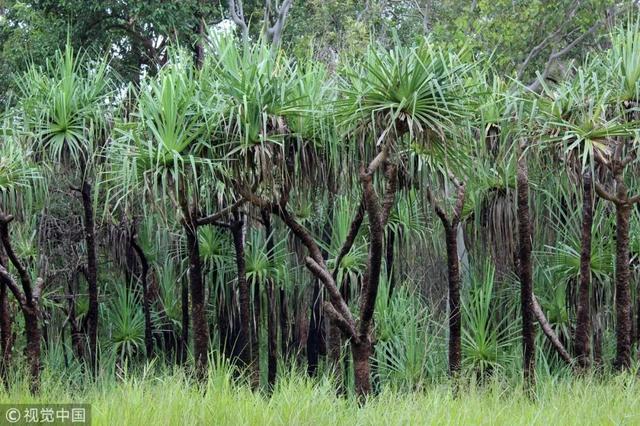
415,212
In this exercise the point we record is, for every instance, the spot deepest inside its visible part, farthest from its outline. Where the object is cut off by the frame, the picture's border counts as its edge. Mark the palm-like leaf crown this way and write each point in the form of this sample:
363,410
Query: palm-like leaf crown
168,139
624,57
65,106
419,86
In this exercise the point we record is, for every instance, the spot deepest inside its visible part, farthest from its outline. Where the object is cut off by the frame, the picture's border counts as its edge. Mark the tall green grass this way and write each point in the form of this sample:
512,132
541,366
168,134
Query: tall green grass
151,397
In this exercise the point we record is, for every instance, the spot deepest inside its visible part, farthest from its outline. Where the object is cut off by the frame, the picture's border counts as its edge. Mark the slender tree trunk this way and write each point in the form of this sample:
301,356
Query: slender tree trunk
455,322
623,291
184,338
246,350
92,274
27,298
33,334
198,311
6,336
583,323
284,323
272,332
526,275
314,336
596,320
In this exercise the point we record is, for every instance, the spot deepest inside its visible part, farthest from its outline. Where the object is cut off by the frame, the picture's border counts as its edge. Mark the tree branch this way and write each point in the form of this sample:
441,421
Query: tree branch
212,219
342,323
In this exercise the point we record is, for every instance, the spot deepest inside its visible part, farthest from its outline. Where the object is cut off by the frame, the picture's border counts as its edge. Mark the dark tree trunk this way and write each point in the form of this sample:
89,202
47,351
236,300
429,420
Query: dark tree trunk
92,274
33,334
284,323
525,268
198,310
361,352
27,298
272,332
623,291
146,304
184,338
245,347
6,336
334,343
455,323
453,269
583,322
314,335
596,320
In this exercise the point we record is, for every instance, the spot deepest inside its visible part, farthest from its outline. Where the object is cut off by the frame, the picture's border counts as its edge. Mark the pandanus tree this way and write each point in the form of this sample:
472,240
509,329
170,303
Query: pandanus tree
255,87
66,110
388,99
404,98
574,118
18,181
166,152
619,151
591,119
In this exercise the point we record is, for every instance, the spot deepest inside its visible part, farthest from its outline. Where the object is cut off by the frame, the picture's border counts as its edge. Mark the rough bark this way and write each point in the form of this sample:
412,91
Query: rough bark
623,291
198,312
453,270
6,336
91,273
33,334
28,299
284,323
361,351
272,332
525,272
583,322
245,347
185,319
455,322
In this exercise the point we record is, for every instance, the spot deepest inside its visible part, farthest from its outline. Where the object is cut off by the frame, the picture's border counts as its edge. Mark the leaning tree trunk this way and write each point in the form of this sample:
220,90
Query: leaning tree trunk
583,322
526,275
91,274
198,312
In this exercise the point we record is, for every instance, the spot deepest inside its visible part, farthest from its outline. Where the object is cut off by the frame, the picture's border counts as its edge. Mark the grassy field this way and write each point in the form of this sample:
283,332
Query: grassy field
170,399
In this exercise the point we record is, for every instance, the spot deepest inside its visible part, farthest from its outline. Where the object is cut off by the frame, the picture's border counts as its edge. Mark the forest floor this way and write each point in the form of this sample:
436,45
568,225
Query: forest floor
171,400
